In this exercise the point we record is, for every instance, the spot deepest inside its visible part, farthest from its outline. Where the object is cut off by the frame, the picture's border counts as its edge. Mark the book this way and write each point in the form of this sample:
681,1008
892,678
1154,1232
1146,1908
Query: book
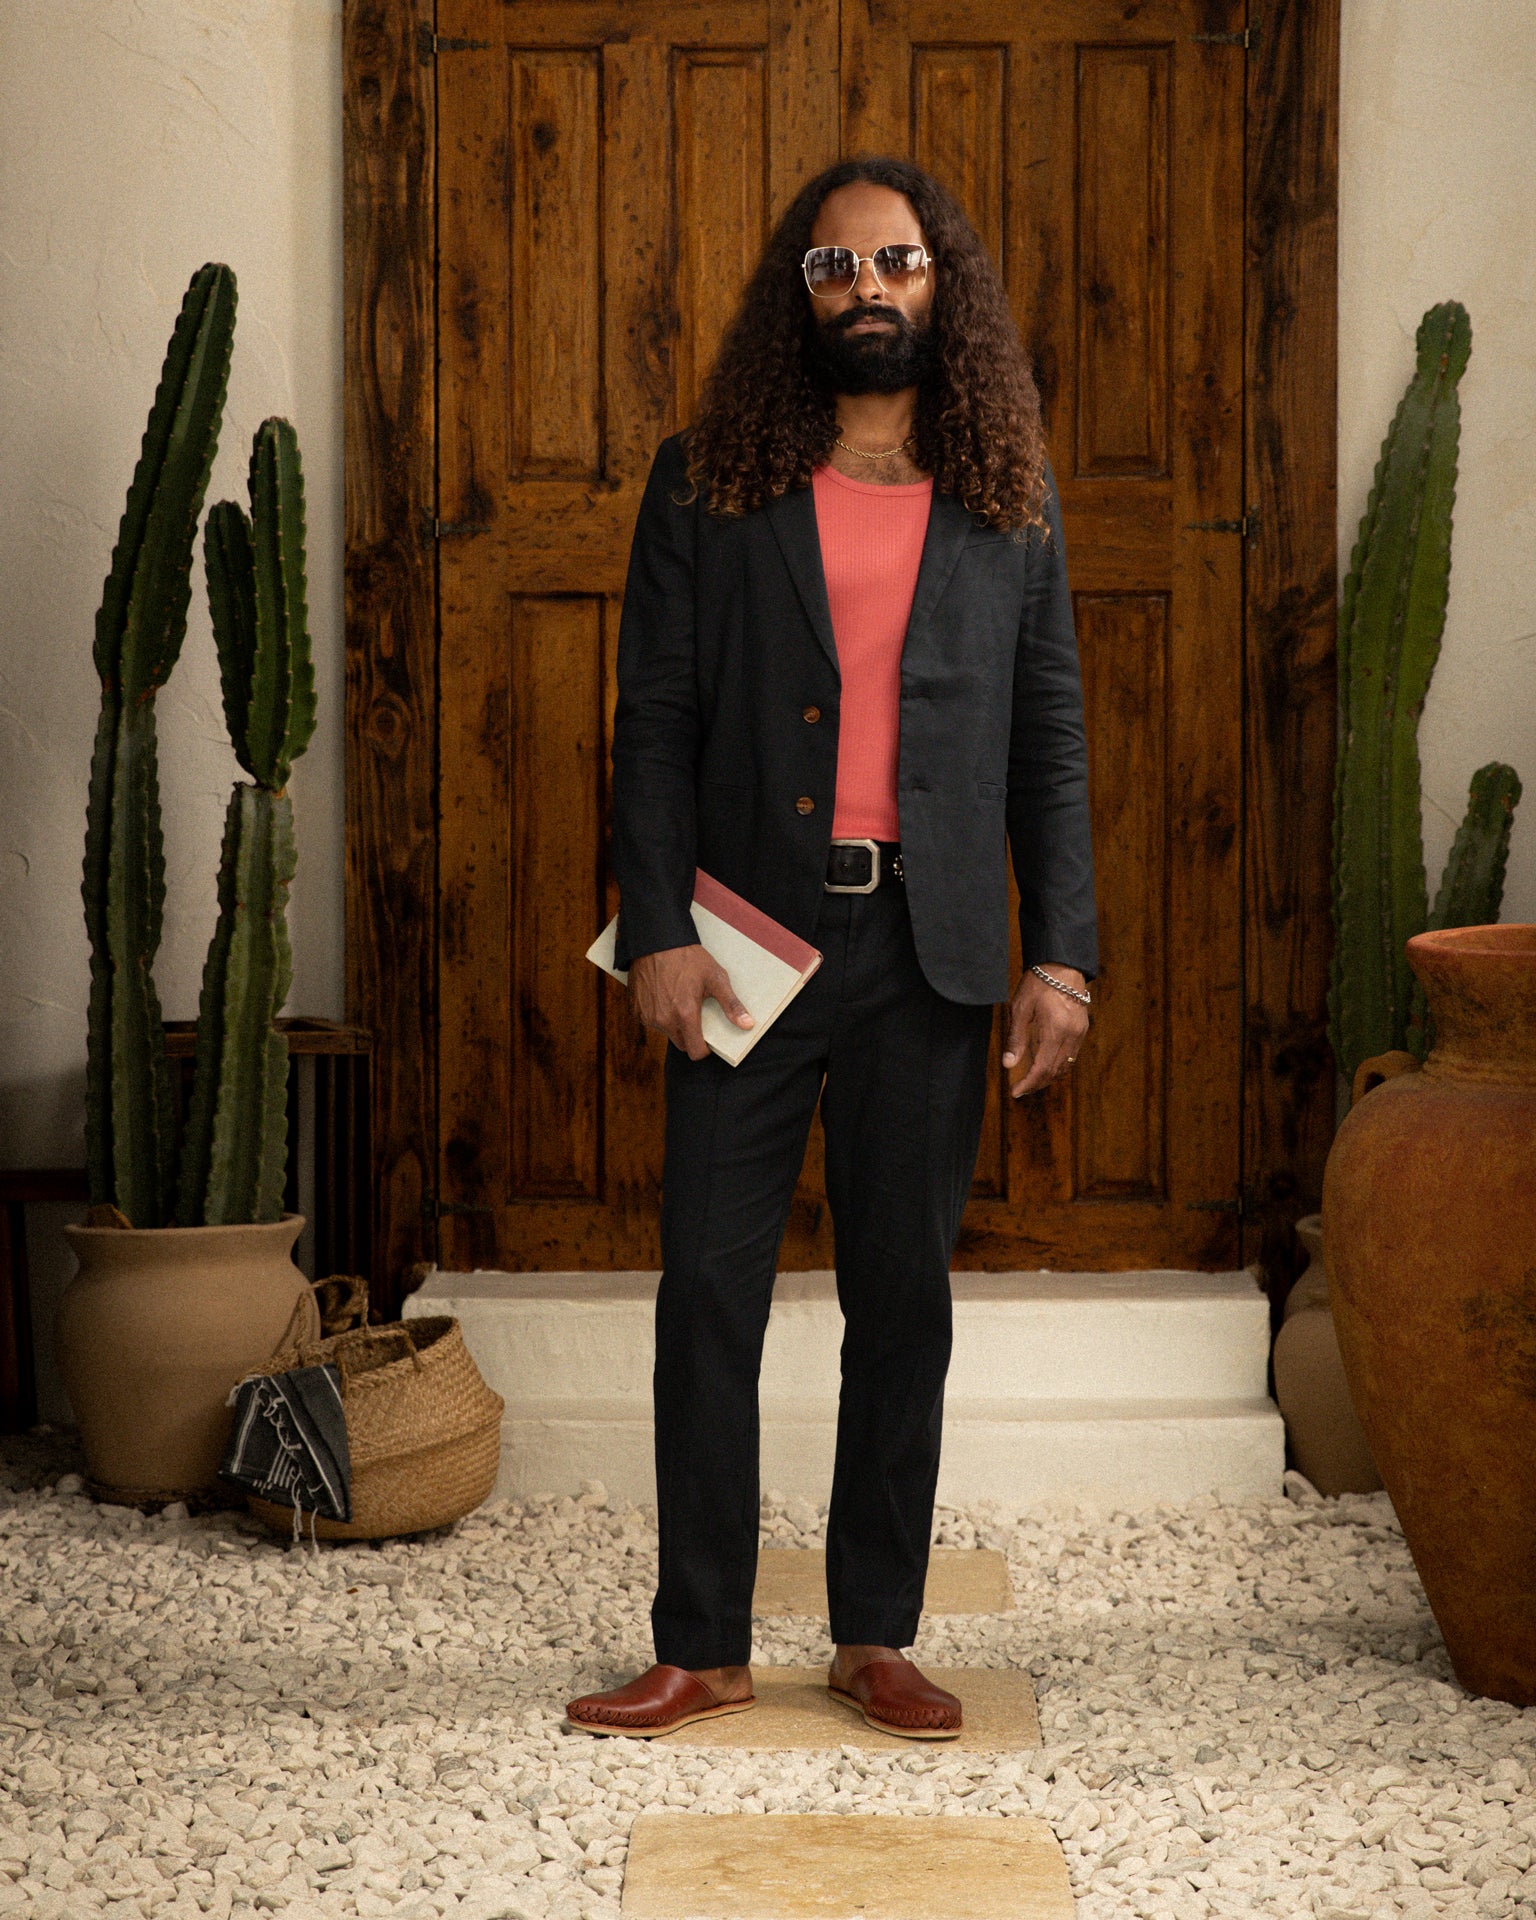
767,964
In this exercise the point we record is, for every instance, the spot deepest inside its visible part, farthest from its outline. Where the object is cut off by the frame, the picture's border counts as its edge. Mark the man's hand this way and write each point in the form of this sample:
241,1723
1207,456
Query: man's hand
670,987
1046,1025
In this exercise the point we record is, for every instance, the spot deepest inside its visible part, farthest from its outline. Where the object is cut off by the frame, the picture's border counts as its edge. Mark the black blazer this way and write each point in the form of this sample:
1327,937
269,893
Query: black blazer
726,650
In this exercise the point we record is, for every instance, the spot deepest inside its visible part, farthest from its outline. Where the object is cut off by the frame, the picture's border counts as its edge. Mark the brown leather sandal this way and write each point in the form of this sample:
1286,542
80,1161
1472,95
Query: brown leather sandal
895,1698
661,1700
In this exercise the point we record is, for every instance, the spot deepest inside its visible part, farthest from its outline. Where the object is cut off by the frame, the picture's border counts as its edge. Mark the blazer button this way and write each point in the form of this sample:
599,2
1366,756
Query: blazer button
812,714
805,804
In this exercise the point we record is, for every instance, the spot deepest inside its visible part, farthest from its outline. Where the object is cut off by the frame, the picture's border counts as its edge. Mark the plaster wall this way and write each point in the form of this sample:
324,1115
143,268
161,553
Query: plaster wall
138,140
1437,201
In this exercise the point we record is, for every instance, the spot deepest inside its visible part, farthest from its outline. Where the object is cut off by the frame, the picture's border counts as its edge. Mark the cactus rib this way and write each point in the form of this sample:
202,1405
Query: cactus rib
228,564
254,978
281,715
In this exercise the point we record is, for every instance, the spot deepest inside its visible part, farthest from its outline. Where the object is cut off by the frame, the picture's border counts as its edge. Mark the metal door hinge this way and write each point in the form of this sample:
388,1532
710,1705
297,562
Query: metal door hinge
1245,37
449,529
434,1209
1241,1205
1247,527
429,44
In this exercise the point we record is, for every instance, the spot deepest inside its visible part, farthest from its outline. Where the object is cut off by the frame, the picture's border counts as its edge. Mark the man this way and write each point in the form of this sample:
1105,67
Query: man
848,682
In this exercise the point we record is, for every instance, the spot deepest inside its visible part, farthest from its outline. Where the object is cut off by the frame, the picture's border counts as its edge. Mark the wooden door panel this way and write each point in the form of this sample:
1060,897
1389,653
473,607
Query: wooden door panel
1122,265
1098,149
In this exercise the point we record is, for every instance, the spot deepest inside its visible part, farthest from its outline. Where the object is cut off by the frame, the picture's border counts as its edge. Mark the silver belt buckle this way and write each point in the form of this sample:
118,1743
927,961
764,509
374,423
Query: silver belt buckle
874,867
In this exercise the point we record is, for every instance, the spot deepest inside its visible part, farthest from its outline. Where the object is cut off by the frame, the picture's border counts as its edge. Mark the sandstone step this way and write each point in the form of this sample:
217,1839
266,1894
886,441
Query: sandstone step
1106,1390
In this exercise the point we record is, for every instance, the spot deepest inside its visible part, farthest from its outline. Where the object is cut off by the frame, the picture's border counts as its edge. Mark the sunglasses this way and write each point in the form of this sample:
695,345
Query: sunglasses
833,271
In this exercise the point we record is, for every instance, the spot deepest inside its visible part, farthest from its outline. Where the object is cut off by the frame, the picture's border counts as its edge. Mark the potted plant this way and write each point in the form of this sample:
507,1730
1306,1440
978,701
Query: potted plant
1391,619
1429,1211
186,1274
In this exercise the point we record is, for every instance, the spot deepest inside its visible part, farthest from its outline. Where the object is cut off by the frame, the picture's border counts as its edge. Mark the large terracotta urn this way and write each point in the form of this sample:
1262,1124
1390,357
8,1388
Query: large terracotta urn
154,1330
1429,1233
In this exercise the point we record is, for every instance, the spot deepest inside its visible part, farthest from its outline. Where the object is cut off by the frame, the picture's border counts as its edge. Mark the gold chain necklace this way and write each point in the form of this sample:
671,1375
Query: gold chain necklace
883,454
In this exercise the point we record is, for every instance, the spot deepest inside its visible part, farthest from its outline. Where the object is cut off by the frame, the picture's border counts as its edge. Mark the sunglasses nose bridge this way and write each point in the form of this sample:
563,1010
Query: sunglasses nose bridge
867,284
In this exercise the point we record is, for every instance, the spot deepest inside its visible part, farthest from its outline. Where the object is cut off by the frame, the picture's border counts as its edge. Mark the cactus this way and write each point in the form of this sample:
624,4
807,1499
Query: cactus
1391,619
232,1157
130,1132
1472,886
232,1162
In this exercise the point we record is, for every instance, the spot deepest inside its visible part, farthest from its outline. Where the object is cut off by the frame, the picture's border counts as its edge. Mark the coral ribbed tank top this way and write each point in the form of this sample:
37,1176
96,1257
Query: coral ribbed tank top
871,547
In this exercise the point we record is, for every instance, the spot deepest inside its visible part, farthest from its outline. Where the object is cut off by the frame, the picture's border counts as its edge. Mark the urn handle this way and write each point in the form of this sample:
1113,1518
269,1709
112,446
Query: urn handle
1382,1066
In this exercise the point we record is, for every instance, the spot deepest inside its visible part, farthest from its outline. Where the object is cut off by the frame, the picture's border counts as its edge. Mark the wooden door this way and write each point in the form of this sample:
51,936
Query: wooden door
606,176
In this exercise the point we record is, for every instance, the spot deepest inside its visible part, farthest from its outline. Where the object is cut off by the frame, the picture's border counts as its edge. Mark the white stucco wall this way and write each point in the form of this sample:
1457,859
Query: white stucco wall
138,140
1437,201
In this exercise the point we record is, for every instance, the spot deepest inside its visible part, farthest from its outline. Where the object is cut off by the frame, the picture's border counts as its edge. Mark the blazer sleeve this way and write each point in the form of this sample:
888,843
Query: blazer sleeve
1048,826
656,723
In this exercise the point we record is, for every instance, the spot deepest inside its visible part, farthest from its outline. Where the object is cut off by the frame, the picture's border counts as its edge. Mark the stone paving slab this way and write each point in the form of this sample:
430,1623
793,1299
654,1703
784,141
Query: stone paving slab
960,1580
801,1866
795,1711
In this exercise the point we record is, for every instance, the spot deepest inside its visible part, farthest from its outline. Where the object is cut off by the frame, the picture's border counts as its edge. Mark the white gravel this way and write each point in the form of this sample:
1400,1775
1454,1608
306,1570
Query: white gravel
1248,1711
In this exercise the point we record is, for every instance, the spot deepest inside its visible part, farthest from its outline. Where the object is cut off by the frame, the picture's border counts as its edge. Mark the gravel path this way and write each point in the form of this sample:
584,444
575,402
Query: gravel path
1248,1711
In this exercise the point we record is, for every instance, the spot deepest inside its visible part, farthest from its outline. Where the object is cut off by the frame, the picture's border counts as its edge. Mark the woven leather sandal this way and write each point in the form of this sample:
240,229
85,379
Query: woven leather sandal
661,1700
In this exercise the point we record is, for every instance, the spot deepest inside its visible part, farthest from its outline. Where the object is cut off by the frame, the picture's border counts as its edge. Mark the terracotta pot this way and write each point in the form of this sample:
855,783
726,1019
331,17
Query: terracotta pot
154,1330
1429,1230
1324,1430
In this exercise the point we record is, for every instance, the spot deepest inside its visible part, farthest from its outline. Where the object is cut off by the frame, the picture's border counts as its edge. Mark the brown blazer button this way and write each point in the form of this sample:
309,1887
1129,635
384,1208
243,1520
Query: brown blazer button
805,804
811,713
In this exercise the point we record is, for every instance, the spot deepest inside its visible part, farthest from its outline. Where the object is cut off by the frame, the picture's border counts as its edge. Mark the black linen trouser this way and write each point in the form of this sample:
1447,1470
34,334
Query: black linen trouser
901,1076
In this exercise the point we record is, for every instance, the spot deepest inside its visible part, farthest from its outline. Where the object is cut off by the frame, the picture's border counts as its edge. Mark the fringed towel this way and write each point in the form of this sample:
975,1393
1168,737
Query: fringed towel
289,1441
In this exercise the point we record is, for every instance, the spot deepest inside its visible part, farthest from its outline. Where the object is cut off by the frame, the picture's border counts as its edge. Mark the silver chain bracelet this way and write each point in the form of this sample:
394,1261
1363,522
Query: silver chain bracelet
1084,999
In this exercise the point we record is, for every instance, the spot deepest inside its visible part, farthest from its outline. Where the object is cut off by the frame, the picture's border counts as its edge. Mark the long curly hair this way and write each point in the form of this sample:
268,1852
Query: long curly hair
767,420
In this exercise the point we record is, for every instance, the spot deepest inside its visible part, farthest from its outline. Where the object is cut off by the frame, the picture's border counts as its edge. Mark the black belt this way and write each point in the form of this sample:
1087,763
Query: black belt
859,866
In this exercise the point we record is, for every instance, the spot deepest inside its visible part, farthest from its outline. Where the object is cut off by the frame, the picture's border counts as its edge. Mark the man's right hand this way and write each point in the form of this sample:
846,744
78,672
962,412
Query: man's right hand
670,988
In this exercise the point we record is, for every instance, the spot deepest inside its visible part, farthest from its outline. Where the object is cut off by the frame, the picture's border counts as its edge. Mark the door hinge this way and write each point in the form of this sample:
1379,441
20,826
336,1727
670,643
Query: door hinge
449,529
430,43
434,1209
1245,37
1247,527
1241,1205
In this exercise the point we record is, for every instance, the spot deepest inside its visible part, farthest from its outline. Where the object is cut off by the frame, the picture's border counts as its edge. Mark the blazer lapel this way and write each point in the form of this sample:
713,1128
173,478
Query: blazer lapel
949,524
793,519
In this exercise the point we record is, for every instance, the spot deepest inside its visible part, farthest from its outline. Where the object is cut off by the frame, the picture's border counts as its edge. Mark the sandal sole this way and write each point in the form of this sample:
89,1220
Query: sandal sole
652,1733
887,1726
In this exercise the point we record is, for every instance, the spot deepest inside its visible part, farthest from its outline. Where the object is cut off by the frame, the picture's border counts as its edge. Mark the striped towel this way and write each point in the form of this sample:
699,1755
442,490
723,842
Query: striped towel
289,1441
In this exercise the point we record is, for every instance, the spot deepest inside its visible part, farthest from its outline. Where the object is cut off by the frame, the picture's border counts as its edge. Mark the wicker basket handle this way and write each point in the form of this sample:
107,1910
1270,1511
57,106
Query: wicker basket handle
374,1337
342,1301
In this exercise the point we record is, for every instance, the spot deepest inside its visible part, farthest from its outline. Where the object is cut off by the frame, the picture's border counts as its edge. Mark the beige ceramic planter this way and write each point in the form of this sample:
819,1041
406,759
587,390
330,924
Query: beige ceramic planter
1326,1438
154,1330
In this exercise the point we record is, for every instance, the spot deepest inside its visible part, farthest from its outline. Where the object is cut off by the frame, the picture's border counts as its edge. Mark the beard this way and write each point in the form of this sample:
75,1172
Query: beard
884,362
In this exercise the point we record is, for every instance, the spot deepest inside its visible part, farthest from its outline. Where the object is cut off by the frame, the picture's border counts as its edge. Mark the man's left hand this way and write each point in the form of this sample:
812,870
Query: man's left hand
1044,1027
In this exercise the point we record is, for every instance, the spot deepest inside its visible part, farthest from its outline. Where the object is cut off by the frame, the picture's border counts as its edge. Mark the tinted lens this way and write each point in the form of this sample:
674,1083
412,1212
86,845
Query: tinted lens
900,266
831,270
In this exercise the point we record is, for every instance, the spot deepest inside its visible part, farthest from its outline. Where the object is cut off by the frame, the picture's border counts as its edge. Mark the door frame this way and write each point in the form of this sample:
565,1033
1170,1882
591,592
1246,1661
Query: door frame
1290,597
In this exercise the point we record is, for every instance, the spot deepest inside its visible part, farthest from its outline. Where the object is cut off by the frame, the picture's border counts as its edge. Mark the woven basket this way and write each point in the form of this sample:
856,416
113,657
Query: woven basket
423,1428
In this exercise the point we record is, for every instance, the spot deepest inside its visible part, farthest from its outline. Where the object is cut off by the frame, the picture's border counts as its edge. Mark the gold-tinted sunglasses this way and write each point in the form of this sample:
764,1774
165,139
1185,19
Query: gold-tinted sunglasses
831,272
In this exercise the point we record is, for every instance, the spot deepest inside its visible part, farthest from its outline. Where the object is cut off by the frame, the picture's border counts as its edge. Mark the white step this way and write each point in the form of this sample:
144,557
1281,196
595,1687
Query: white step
1105,1390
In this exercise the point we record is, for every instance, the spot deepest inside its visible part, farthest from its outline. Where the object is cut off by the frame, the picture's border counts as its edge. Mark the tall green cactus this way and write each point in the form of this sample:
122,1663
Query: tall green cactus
1391,619
233,1159
130,1131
